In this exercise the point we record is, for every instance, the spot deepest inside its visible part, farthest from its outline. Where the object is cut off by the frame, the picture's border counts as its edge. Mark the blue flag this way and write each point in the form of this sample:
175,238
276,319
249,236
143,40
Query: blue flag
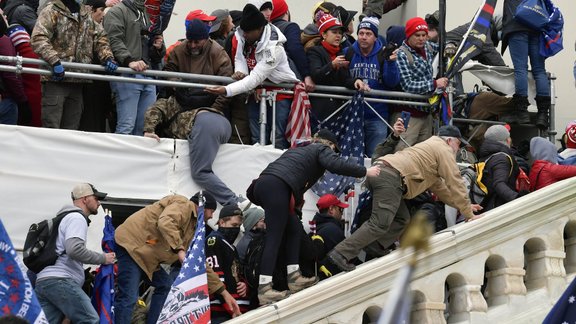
349,129
188,300
565,309
17,296
103,293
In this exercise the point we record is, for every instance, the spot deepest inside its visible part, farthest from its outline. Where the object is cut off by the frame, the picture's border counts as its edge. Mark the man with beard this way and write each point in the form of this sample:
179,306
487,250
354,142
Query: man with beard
59,286
194,114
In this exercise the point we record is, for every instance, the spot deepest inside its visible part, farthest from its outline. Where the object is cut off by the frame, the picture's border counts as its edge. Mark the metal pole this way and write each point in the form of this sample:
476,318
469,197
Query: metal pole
551,122
263,117
441,35
272,97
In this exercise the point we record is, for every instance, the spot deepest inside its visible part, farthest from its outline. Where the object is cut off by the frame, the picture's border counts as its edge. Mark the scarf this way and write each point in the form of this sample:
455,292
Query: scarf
331,49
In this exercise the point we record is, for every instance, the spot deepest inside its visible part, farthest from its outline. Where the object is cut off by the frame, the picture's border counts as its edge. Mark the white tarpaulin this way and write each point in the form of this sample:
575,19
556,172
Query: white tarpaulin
39,167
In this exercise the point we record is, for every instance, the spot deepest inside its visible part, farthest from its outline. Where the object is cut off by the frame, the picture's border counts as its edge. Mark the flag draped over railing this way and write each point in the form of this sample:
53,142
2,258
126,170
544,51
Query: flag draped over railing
17,297
349,129
103,293
188,300
299,119
473,39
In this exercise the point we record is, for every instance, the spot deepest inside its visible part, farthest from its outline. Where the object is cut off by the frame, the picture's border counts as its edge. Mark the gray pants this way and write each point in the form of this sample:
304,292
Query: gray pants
388,219
210,130
419,130
62,104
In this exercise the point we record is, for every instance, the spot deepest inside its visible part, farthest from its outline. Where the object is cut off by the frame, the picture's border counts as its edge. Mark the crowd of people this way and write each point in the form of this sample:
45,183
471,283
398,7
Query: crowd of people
413,167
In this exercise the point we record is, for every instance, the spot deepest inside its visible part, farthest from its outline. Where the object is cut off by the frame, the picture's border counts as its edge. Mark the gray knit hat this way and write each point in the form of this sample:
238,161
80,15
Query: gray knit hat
497,133
251,217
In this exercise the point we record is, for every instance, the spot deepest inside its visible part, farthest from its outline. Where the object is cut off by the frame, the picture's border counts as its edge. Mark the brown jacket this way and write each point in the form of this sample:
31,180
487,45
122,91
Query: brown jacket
213,60
432,165
154,234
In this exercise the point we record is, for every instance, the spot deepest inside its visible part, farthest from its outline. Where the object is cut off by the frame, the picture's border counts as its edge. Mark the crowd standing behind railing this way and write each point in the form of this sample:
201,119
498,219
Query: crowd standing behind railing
224,83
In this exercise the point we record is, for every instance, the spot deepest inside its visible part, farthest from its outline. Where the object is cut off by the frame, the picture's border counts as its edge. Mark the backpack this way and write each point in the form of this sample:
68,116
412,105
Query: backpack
281,25
40,245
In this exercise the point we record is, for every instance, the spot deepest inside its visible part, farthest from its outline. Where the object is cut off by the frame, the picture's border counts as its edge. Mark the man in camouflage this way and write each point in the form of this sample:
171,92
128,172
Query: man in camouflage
194,114
65,32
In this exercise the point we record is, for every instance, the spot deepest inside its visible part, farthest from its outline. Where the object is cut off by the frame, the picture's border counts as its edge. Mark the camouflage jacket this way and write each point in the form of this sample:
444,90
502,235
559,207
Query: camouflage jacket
164,110
62,36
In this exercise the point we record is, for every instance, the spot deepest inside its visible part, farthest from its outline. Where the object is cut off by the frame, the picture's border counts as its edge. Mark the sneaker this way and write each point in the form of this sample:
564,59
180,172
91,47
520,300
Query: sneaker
340,261
267,295
297,282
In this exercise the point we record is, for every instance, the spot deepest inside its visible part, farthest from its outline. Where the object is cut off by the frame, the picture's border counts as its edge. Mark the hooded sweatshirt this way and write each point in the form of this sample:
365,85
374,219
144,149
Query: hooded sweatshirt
545,169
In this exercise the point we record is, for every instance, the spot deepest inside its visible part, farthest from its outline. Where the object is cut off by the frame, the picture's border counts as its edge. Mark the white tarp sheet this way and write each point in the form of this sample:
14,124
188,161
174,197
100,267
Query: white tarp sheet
39,167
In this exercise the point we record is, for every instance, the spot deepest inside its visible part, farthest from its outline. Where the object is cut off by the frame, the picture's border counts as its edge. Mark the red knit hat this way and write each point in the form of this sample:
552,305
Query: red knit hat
327,21
571,134
280,8
414,25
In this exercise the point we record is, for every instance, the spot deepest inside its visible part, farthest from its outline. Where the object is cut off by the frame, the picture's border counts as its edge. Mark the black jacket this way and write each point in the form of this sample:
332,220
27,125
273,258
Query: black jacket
501,183
22,12
322,74
330,229
301,167
509,24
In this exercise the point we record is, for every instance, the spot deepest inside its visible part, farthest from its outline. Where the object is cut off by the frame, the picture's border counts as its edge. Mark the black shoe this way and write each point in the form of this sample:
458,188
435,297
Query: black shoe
542,120
340,261
523,117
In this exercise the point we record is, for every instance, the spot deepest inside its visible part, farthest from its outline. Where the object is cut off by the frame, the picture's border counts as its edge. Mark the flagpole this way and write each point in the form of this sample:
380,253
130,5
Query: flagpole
441,36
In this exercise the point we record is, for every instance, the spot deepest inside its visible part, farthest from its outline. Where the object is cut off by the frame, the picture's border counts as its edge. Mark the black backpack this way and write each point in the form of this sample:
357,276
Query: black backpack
40,245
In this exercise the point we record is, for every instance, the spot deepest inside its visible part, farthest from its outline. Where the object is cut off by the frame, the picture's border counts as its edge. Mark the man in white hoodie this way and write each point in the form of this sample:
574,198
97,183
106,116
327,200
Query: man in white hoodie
259,55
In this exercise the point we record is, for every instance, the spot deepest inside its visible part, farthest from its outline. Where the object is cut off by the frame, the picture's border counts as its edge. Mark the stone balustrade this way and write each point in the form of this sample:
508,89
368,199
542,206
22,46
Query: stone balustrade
507,267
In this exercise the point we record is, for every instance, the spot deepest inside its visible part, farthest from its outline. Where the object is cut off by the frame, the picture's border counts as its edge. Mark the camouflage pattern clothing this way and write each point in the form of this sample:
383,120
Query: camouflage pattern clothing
60,35
165,109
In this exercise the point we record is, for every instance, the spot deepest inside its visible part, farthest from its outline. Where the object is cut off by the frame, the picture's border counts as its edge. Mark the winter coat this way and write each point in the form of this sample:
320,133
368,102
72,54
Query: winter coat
330,229
271,62
431,165
545,170
385,77
417,77
127,28
22,12
489,54
322,73
500,173
13,85
61,36
509,24
293,46
301,167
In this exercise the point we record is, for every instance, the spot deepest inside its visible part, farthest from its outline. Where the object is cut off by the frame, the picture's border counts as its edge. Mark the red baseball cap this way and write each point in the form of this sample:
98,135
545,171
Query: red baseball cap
199,14
330,200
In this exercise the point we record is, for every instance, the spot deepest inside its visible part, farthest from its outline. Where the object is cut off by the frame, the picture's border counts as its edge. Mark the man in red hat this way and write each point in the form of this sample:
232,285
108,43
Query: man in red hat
329,222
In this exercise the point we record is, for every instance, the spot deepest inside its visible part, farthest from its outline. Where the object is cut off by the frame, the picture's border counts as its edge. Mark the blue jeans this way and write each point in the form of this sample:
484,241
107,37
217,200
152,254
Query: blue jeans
524,45
129,277
132,101
61,297
375,132
8,112
282,113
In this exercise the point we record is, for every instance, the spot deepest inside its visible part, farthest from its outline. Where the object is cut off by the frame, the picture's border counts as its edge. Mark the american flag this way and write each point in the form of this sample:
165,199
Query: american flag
348,128
565,309
299,119
103,293
17,297
188,300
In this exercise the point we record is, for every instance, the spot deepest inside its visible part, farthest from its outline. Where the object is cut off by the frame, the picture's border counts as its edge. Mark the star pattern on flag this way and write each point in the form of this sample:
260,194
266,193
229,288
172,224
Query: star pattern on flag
349,129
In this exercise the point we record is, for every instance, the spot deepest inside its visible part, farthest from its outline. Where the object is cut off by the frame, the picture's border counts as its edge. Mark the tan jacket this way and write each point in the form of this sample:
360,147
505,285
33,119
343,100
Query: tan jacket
154,234
432,165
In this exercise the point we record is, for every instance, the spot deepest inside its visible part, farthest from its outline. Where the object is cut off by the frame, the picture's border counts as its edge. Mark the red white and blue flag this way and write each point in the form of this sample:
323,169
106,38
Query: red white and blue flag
298,126
17,297
103,293
188,300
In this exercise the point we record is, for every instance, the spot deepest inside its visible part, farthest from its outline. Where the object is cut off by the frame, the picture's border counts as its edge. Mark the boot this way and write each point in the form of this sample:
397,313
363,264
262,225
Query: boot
519,113
267,294
543,103
340,261
297,282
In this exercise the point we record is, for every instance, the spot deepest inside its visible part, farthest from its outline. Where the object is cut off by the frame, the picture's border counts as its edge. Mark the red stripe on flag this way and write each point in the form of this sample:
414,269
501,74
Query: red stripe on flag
299,119
488,8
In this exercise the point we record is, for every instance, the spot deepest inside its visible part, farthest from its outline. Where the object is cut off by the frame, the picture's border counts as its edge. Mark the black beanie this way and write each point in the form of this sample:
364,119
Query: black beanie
196,30
252,18
209,200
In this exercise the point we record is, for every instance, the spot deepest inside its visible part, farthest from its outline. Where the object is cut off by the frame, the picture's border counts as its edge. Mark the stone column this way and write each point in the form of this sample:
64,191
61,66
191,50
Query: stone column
570,261
428,313
504,283
545,269
465,300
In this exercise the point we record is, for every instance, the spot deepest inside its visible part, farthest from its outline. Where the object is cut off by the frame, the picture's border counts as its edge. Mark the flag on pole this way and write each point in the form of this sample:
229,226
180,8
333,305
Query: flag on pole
349,129
17,297
564,311
299,119
159,12
473,39
103,292
188,300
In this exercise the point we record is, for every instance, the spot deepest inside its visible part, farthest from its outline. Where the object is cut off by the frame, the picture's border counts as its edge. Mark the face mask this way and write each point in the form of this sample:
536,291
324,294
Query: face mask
230,233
